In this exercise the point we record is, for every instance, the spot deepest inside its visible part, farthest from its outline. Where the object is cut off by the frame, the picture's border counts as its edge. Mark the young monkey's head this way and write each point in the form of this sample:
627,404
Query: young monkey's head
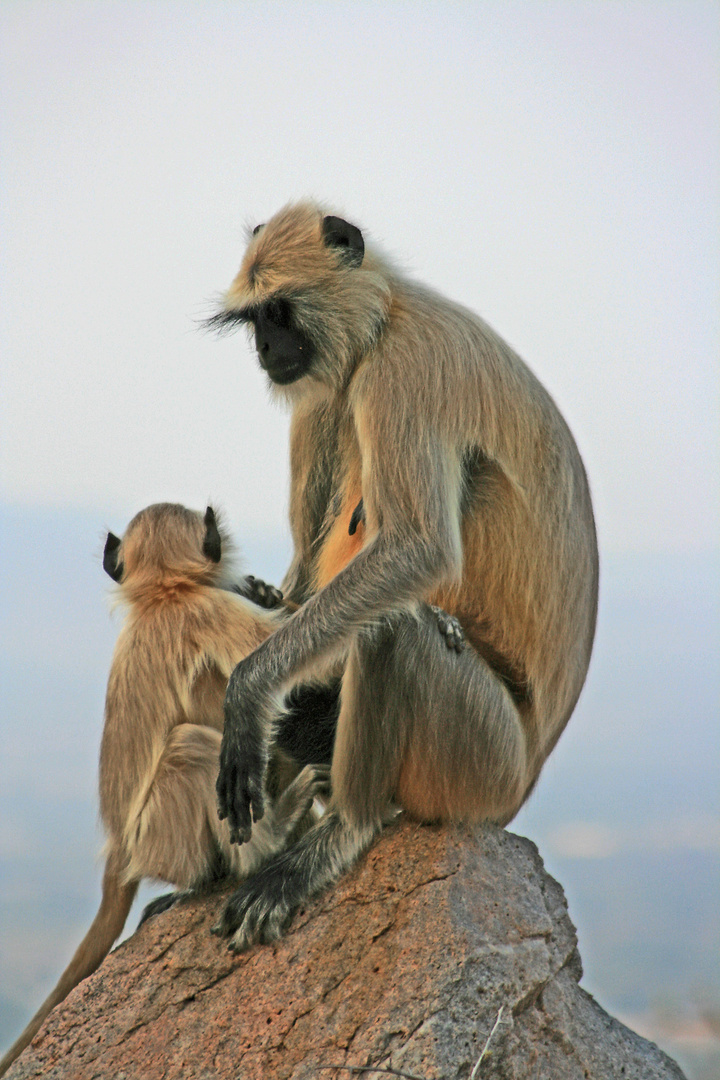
167,543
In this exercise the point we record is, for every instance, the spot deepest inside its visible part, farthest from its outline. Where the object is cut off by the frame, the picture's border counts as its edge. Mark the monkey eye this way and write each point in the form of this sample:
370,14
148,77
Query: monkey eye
278,312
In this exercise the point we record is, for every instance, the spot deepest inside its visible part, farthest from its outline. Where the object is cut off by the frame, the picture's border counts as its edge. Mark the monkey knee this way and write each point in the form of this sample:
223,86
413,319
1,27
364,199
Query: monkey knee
504,765
473,788
492,775
506,781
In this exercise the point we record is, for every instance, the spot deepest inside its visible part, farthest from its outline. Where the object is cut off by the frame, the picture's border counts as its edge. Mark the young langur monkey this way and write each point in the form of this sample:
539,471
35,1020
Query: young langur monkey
184,633
474,500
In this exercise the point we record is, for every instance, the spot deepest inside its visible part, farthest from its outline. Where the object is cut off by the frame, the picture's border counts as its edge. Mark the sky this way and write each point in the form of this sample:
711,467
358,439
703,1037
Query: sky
553,165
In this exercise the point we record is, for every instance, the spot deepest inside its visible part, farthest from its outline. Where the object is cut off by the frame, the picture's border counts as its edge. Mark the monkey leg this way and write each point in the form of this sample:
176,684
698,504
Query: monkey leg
290,812
171,832
434,731
306,729
422,726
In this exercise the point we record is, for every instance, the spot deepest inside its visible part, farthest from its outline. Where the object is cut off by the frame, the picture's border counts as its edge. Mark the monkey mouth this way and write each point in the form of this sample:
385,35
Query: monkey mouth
282,375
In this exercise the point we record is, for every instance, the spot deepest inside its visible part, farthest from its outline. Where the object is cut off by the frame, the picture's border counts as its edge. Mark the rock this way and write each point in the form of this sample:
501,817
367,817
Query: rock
406,964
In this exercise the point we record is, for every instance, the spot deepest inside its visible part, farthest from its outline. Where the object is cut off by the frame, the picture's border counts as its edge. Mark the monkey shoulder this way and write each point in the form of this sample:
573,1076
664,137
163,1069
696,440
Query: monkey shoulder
235,626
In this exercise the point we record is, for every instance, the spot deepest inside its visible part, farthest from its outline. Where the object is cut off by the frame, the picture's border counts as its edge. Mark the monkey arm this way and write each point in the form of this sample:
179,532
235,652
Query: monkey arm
416,546
383,577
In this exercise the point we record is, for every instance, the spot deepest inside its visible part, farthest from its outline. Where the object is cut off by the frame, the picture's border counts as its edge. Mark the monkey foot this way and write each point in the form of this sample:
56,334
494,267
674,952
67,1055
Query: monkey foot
160,904
260,910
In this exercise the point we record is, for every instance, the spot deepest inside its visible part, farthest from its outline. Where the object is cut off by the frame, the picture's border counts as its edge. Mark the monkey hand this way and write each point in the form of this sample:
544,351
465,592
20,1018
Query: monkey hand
450,629
243,759
259,592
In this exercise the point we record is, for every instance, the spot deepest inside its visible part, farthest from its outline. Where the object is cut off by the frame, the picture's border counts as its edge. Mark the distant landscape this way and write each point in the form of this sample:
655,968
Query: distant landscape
626,814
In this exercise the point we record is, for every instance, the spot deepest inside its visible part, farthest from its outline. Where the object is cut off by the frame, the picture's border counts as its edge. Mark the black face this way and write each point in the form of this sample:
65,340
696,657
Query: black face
284,351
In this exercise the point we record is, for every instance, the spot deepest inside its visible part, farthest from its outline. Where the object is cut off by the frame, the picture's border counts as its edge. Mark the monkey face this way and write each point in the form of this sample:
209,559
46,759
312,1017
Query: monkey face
284,351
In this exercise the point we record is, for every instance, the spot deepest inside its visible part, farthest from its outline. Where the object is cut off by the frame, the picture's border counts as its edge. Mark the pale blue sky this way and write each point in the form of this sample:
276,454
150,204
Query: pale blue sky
553,165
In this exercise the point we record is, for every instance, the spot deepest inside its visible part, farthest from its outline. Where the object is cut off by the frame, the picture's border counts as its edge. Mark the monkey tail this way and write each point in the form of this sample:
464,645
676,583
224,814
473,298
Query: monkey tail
106,927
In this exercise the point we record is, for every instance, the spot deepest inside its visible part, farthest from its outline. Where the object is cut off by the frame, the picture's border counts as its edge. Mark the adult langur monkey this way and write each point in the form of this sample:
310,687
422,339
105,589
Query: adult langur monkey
186,629
474,499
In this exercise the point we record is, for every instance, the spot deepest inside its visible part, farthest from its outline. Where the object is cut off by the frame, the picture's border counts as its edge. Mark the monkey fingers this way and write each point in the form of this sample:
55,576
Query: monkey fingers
240,788
313,779
450,628
243,761
259,592
241,801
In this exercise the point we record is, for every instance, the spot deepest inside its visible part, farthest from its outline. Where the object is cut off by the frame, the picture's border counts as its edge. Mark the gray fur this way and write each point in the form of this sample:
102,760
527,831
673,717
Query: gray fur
475,501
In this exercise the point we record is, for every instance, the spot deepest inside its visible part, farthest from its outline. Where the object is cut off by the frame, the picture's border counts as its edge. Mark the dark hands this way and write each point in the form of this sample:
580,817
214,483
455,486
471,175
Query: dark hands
243,761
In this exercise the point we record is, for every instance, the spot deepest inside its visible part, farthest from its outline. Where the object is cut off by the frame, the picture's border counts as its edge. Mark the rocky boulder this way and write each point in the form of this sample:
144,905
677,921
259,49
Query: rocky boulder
446,954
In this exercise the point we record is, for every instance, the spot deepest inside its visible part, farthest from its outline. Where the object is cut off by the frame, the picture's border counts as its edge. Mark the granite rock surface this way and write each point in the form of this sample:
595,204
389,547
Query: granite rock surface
438,938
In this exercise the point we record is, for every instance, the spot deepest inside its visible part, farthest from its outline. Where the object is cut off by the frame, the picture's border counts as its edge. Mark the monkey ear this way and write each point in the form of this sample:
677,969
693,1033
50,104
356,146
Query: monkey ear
111,565
358,518
212,544
346,237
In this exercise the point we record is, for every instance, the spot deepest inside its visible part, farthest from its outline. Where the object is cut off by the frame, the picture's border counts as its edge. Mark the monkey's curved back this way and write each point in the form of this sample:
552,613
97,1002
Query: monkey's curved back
530,563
